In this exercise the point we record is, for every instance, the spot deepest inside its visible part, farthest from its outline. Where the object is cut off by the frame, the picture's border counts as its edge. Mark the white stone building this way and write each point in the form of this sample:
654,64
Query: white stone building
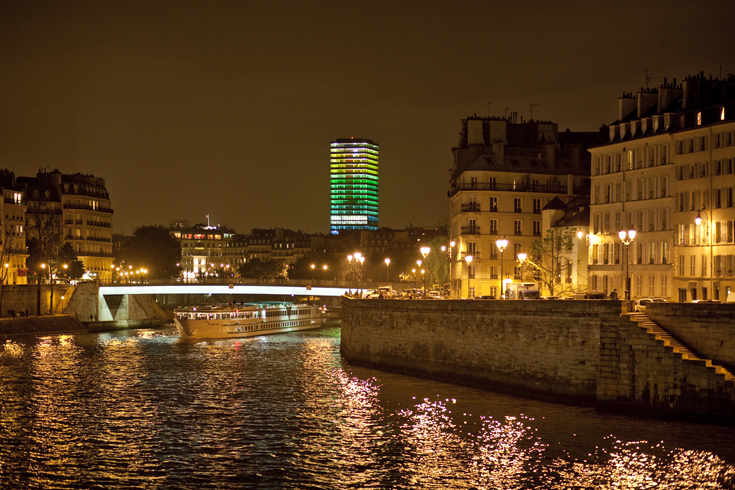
669,157
504,173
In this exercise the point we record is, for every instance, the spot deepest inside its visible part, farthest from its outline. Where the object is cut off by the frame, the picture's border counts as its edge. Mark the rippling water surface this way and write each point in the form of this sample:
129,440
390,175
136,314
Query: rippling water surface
145,409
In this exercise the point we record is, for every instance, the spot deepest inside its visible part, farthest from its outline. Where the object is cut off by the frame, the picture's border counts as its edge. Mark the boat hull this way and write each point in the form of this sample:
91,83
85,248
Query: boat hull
227,329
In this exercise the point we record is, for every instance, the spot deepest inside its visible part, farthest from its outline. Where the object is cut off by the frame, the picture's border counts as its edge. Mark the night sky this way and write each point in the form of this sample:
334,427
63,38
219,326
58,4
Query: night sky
227,108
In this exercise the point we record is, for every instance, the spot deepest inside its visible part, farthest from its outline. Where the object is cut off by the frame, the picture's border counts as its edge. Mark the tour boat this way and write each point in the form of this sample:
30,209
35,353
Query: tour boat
246,320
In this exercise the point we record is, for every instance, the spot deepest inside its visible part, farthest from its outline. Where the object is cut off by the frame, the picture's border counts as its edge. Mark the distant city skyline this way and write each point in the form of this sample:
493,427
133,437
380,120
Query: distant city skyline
227,108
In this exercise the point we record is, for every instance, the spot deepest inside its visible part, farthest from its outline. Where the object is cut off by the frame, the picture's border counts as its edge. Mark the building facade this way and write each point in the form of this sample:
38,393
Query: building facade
669,158
83,210
353,173
504,174
12,231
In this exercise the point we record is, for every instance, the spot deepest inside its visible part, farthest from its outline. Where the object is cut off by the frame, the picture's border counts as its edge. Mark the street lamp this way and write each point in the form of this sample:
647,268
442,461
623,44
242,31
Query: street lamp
361,260
325,267
451,263
349,275
708,231
425,252
387,269
501,243
468,259
627,238
522,259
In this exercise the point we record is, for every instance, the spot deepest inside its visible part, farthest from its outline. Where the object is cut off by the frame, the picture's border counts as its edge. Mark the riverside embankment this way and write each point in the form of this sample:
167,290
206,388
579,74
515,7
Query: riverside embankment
42,325
583,352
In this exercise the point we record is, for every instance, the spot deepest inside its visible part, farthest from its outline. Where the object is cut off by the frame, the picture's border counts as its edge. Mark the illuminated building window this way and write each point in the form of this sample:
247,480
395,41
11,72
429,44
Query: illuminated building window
353,185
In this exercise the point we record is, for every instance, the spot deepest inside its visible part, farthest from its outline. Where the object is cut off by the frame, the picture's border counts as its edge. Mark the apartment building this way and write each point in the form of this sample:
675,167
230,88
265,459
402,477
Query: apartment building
504,174
668,159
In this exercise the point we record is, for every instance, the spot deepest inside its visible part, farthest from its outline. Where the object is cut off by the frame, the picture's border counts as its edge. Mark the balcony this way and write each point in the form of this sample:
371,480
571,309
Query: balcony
470,230
554,188
470,208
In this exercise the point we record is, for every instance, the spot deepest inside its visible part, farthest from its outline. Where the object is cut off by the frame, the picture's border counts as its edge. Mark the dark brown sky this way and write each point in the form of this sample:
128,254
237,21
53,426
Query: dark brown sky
227,108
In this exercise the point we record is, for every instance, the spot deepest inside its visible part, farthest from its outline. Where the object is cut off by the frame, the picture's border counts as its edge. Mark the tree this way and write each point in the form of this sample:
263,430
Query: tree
44,241
262,269
153,248
301,269
6,250
67,257
437,262
549,260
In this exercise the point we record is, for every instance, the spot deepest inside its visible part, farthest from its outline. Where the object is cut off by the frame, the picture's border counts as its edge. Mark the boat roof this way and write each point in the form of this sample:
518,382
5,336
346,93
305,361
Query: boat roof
256,305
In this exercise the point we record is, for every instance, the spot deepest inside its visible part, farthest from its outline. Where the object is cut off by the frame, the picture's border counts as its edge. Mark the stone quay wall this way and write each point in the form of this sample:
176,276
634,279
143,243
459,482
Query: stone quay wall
510,346
584,352
706,328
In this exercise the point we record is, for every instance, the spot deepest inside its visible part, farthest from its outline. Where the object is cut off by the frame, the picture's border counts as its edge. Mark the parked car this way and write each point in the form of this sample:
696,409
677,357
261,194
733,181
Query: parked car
640,304
529,294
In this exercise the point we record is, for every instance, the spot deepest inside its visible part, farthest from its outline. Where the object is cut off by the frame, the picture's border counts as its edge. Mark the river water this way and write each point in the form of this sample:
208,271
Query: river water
146,409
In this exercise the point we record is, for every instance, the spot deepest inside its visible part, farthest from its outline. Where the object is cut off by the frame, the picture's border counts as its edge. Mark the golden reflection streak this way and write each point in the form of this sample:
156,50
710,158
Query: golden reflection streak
347,436
636,465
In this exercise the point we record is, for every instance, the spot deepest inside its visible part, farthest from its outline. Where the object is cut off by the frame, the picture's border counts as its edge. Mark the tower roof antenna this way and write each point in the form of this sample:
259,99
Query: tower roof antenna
532,109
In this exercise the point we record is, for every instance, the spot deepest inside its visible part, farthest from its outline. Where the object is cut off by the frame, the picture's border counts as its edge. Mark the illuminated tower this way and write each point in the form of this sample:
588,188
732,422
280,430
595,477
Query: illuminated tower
353,173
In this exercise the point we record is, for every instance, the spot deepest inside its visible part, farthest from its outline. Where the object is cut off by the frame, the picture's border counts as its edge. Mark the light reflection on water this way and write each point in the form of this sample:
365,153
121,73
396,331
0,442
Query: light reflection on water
144,409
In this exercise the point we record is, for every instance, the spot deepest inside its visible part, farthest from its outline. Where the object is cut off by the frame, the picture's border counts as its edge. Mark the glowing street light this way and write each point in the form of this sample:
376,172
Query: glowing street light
627,238
387,269
708,231
468,259
501,243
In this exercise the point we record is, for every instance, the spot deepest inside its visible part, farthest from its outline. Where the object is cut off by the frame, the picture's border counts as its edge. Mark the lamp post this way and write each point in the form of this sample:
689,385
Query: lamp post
627,238
425,252
313,266
708,231
325,267
501,243
452,244
361,260
349,275
419,262
468,259
522,259
387,270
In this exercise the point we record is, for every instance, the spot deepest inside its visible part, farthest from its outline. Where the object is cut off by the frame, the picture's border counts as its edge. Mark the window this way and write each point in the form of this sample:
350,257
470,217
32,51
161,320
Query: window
693,265
494,204
536,228
493,227
517,227
664,285
517,205
537,206
652,285
652,253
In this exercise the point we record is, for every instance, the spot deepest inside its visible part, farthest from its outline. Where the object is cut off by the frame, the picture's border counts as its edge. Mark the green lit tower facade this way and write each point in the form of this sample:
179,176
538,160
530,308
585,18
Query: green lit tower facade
353,174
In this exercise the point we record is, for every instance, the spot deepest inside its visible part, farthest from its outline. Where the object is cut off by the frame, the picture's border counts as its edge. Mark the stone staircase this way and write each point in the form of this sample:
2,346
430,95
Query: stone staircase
669,340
